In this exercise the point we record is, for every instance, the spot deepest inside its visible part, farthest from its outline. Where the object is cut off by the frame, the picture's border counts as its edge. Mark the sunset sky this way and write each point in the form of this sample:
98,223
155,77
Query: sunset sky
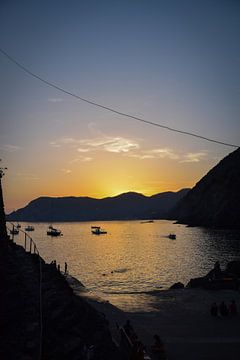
176,63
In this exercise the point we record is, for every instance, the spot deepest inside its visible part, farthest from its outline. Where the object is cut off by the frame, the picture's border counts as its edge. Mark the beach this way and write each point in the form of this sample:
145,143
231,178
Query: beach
182,319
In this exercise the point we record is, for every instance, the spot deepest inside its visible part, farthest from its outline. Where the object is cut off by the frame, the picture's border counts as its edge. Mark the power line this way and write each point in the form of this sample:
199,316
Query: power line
111,109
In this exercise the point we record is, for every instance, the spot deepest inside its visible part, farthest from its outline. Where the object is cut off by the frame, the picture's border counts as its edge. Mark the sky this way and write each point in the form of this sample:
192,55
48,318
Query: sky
175,63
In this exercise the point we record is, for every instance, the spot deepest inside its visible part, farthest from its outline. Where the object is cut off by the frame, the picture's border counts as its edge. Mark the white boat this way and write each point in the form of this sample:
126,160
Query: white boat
29,228
18,226
98,231
53,232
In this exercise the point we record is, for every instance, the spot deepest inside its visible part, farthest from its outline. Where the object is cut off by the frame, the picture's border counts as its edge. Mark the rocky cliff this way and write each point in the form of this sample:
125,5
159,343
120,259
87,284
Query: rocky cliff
215,200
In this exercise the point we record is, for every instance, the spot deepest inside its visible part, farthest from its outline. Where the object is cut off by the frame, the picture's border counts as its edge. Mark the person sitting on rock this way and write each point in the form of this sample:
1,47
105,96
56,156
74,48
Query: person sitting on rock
223,309
214,309
128,328
158,347
233,308
217,272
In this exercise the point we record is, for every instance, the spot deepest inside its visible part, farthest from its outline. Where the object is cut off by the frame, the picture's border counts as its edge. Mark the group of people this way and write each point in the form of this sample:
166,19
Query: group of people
139,350
57,266
223,310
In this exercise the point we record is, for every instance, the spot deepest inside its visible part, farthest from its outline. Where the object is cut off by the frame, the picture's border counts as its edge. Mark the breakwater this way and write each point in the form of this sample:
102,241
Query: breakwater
41,317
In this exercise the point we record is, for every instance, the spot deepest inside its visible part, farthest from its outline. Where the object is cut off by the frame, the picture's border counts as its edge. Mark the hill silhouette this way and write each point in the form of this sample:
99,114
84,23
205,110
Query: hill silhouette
215,200
127,206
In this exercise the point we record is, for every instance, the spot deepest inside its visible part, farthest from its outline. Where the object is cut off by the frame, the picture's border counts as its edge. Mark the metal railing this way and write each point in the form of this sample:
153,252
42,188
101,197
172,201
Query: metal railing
31,247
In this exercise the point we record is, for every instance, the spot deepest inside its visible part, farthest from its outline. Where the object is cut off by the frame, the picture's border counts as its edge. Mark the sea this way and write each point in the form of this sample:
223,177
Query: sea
135,260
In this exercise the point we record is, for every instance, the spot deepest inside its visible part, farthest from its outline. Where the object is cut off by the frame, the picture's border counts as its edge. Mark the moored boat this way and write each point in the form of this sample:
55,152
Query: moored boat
29,228
53,231
98,231
14,231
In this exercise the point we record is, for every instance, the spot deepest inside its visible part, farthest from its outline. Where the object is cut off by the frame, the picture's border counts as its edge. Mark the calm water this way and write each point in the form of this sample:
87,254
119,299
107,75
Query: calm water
134,260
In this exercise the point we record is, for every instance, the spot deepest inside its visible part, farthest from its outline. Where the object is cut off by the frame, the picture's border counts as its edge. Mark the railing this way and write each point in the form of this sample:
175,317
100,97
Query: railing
31,247
29,244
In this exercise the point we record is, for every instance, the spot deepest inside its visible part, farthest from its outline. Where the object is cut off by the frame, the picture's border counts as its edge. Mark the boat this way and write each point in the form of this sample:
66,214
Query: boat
14,231
29,228
53,232
172,236
18,226
98,231
146,221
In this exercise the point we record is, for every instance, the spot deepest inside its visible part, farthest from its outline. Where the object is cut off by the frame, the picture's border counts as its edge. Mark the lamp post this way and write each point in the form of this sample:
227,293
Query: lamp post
3,229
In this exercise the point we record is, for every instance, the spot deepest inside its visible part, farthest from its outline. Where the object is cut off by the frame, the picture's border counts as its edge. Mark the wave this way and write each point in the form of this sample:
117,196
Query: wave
123,270
147,292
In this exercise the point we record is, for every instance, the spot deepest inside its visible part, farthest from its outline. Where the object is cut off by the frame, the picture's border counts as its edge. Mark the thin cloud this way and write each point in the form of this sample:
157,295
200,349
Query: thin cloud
55,100
108,144
164,153
158,153
27,176
9,148
81,150
81,159
193,157
66,171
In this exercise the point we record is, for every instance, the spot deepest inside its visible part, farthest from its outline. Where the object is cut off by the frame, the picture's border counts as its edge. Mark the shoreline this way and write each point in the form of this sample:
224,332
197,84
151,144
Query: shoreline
182,319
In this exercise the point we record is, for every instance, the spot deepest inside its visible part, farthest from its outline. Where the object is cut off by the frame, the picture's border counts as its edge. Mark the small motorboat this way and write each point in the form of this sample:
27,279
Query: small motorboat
98,231
53,232
29,228
18,226
14,231
172,236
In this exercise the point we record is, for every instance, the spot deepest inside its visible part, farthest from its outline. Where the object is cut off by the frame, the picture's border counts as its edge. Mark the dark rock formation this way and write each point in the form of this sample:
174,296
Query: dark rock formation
233,267
122,207
217,279
70,326
215,200
177,285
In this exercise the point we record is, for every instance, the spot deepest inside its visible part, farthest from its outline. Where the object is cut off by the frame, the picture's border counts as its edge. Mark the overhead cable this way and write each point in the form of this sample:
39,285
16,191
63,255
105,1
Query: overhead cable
109,108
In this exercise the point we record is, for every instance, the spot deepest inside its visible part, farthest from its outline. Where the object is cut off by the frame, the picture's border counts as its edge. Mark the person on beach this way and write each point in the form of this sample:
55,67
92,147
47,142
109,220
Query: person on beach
65,268
128,328
233,308
158,347
214,309
223,309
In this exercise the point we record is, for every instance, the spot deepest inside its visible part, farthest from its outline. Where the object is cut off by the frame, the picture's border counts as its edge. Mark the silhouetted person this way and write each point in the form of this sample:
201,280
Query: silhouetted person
65,268
214,309
217,272
128,328
58,267
223,309
158,347
233,308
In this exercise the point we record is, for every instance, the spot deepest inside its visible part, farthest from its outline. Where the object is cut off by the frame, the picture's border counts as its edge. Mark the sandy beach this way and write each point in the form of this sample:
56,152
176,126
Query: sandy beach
182,319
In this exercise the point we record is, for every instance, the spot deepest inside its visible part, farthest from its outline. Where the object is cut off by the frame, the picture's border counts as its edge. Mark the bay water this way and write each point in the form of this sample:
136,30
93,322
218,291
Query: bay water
134,260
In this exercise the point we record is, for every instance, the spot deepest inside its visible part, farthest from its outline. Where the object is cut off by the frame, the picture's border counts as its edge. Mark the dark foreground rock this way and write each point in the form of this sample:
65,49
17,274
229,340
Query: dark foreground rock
177,285
71,328
218,279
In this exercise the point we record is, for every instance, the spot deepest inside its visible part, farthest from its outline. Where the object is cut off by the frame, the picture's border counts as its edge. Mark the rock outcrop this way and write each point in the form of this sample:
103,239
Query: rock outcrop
217,279
71,328
215,200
